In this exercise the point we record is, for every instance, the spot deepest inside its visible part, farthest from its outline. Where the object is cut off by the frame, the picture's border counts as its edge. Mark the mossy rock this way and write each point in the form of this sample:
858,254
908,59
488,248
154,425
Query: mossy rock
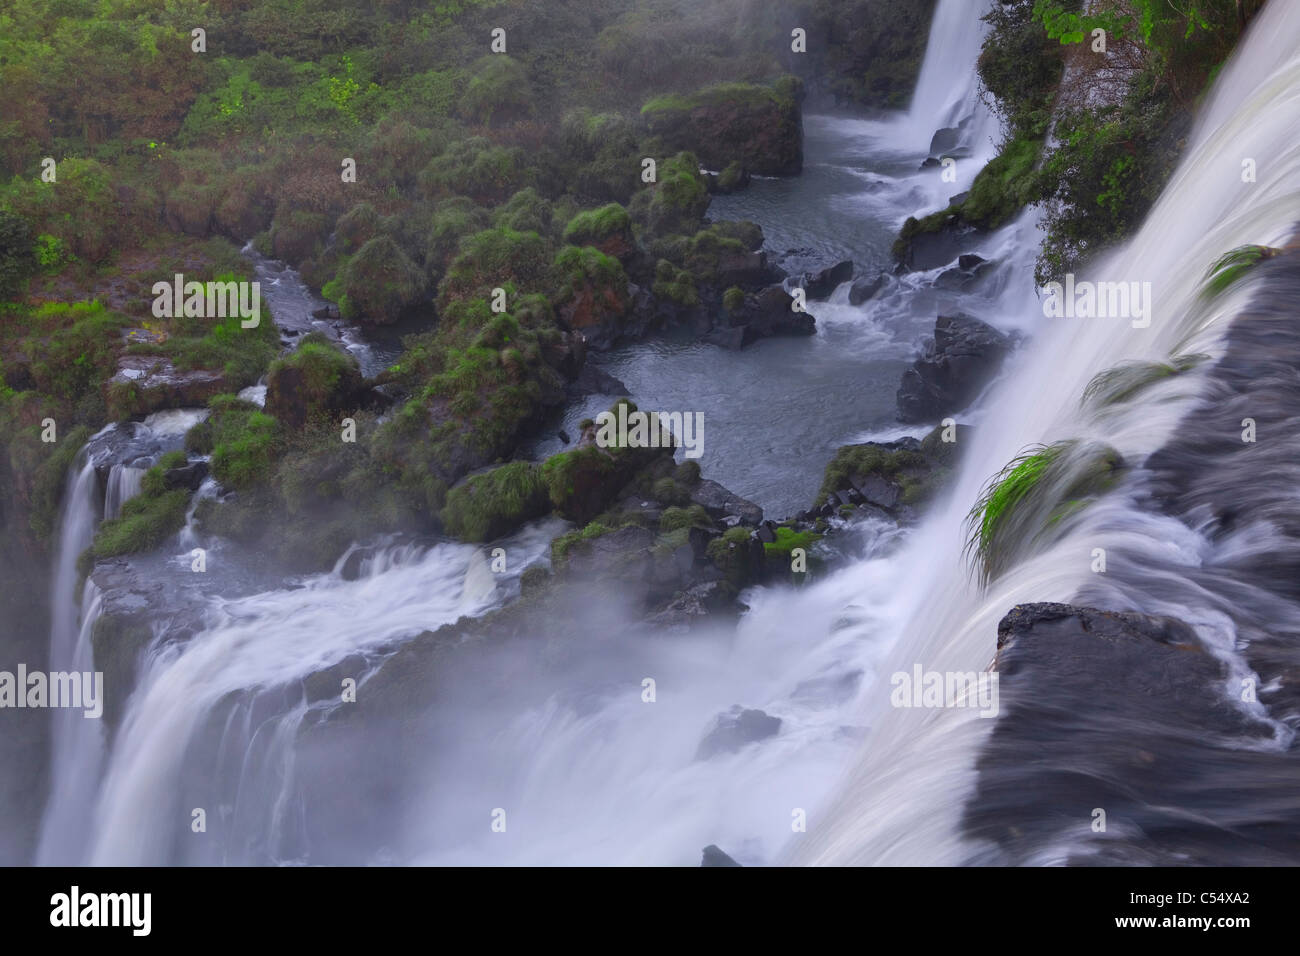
495,503
379,283
316,380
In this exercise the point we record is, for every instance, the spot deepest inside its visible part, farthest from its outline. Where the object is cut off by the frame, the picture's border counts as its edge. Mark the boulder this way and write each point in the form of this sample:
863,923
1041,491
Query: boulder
864,288
953,368
723,505
1131,713
766,313
820,285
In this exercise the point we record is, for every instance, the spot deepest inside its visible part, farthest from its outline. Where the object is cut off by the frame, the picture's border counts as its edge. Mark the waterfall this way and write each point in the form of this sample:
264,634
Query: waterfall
231,698
75,739
947,94
124,482
228,716
901,800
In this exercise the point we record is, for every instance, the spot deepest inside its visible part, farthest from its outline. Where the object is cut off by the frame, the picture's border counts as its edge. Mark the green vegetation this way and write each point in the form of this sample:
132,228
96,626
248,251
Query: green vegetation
787,539
904,466
1122,382
1234,265
487,506
243,441
1032,495
147,520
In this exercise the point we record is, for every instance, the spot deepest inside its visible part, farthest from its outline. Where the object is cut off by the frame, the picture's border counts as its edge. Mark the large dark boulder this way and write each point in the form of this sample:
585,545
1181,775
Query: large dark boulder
762,314
963,357
1132,714
725,506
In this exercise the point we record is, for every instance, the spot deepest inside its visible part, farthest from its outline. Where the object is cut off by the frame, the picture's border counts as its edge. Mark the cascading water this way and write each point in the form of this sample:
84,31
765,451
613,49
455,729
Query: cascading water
947,92
124,482
555,729
64,829
232,697
902,800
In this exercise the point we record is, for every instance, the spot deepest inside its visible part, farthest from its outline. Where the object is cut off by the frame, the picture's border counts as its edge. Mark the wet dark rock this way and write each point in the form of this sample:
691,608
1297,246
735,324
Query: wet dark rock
1115,710
715,857
188,476
970,269
920,251
890,479
154,383
592,380
722,504
763,314
962,358
735,729
944,140
864,288
351,569
820,285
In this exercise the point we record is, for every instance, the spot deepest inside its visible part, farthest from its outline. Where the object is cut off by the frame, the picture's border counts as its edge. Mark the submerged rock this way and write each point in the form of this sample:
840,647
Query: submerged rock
864,289
735,729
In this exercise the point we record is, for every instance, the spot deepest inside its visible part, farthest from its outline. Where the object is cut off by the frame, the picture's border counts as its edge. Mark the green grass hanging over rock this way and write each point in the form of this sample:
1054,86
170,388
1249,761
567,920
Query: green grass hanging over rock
1232,266
1032,496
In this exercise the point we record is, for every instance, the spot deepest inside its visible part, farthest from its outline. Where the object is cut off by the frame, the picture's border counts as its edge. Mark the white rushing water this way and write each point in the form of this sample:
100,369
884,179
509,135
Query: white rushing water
264,642
64,828
947,90
901,801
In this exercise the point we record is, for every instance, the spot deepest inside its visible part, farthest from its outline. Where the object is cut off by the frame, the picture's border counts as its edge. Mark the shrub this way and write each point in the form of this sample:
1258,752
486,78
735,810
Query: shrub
490,505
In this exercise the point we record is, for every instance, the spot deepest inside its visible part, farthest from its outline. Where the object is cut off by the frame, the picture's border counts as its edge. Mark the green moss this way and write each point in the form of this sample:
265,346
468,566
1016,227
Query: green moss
1005,186
49,479
146,521
493,504
591,227
315,380
244,442
677,519
496,258
787,539
561,546
379,283
867,459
